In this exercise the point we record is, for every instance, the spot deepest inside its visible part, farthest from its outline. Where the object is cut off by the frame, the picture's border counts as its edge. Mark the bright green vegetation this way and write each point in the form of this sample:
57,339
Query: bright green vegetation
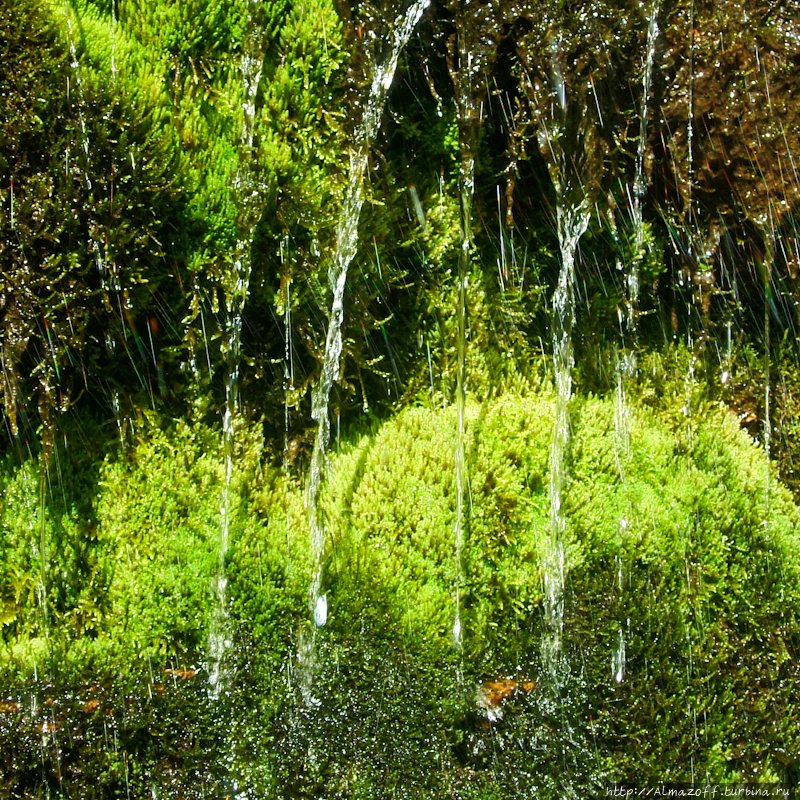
671,539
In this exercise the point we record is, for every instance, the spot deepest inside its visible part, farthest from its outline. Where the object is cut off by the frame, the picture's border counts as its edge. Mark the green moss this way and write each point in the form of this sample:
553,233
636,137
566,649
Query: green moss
675,545
670,542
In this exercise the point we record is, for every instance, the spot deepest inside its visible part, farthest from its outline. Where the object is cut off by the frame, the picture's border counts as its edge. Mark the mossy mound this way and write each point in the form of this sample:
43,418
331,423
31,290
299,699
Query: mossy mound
680,644
680,639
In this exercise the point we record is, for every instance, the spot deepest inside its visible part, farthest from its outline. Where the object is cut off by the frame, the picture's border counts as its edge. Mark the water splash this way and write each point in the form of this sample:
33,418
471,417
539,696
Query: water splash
344,252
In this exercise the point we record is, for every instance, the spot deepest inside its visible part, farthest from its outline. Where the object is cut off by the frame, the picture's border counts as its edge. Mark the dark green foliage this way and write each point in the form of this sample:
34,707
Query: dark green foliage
92,231
98,740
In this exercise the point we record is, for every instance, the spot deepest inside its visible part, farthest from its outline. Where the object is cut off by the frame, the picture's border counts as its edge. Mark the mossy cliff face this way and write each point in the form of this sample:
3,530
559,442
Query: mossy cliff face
154,153
173,175
679,647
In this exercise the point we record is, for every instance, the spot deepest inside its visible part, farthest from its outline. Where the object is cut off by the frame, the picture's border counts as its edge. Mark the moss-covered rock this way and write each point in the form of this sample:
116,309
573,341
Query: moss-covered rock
680,632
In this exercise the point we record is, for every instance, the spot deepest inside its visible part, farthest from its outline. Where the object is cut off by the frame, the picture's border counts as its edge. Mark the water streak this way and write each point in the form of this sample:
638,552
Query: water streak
640,181
618,658
344,252
690,119
467,117
573,221
219,640
81,107
461,476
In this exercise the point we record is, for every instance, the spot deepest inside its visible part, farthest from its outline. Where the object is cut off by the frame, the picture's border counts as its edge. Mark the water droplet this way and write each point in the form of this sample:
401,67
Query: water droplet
321,611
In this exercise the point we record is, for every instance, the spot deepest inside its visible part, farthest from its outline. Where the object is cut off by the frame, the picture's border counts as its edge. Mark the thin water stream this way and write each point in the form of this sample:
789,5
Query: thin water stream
564,145
640,180
85,145
628,313
466,112
345,250
572,224
220,638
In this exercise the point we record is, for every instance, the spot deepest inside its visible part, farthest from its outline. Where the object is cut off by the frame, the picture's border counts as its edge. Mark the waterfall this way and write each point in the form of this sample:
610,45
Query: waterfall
344,251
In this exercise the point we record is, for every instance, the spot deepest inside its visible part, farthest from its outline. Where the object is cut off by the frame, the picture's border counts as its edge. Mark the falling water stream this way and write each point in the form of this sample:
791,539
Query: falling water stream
344,252
572,224
640,180
628,312
572,220
466,185
219,640
85,143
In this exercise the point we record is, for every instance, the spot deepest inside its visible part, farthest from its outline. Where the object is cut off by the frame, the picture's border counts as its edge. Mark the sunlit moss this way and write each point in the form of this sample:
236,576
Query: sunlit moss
678,544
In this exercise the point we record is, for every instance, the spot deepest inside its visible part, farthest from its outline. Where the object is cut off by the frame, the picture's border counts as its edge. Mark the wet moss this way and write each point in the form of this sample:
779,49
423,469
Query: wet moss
678,552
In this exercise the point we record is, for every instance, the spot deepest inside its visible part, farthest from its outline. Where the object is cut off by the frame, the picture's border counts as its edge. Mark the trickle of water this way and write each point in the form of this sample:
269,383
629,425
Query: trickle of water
85,145
572,224
461,468
559,85
117,409
419,212
622,420
502,263
115,19
321,611
640,181
219,637
618,657
768,264
219,640
288,366
430,368
461,477
344,252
